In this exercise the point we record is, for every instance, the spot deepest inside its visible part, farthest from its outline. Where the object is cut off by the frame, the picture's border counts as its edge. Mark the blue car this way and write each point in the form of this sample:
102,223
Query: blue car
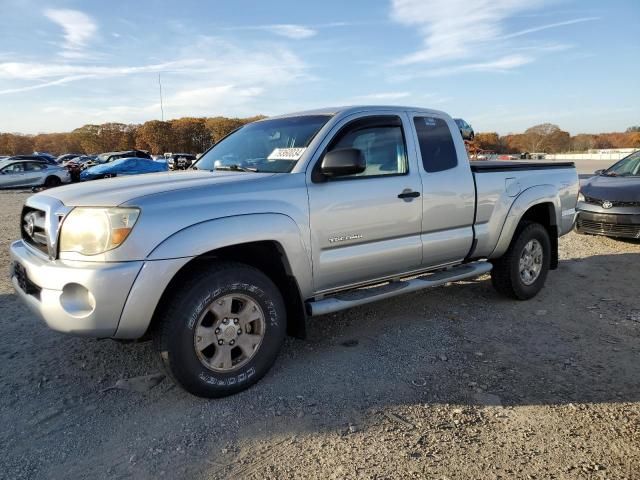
123,166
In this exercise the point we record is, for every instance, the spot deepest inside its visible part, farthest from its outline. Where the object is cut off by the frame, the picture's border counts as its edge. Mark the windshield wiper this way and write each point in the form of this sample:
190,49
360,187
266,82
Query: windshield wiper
235,168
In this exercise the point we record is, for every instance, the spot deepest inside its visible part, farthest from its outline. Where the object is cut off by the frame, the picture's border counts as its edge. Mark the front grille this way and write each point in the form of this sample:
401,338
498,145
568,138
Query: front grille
612,229
614,203
32,229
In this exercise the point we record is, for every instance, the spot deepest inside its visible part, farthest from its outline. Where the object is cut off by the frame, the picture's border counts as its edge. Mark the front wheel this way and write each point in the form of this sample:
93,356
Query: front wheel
222,330
521,272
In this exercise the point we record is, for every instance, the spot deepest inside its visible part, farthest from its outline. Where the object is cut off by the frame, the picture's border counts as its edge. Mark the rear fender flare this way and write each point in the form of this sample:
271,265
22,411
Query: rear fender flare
528,198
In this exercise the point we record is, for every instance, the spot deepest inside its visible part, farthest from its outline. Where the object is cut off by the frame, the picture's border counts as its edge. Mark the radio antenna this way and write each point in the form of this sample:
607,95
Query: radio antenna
161,106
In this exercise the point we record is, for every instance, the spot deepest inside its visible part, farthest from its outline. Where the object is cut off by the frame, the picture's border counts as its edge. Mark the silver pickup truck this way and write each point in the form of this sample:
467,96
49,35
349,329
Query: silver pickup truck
286,218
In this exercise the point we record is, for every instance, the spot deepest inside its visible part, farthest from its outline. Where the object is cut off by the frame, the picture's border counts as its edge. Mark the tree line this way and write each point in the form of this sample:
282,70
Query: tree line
183,135
549,138
195,135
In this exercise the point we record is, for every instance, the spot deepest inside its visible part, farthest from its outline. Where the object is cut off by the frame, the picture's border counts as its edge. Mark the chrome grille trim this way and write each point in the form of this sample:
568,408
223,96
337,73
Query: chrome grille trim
54,212
614,203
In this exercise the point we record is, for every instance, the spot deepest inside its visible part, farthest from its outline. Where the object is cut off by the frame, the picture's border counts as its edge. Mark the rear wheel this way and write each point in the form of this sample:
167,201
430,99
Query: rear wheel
222,330
521,272
52,181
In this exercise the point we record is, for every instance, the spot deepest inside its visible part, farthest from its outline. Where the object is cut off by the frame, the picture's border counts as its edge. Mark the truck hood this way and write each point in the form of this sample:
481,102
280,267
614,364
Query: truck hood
116,191
619,189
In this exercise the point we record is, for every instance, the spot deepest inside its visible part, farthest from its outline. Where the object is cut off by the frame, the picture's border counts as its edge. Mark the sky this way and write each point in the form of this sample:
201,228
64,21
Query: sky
502,65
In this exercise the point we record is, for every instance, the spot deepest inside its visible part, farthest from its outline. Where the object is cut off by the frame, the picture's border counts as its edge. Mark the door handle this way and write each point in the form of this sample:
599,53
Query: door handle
409,194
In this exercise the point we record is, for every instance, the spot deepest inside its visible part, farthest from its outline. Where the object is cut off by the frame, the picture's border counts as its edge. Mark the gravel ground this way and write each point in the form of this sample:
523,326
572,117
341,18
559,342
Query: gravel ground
454,383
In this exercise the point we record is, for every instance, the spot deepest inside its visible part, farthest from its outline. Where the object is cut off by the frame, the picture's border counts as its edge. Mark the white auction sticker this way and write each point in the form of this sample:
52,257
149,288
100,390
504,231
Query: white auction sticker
286,154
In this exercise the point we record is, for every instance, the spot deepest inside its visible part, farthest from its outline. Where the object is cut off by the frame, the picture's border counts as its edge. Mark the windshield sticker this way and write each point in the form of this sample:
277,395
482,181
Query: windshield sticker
286,154
430,121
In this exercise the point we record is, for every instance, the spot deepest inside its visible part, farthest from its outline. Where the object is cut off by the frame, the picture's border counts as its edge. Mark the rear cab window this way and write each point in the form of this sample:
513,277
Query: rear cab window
437,150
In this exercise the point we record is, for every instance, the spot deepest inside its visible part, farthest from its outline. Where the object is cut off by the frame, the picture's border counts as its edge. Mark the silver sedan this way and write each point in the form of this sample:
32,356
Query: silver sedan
22,173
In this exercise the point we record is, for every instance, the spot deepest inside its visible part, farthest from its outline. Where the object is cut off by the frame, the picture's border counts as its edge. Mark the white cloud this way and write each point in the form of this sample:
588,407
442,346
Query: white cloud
454,29
383,96
295,32
550,25
78,28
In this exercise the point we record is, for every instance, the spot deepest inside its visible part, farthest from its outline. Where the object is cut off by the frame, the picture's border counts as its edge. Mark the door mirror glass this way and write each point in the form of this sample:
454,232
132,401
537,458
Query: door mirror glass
343,161
599,171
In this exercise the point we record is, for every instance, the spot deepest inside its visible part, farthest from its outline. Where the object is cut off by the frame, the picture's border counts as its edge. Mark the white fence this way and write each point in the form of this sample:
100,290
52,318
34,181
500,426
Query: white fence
608,156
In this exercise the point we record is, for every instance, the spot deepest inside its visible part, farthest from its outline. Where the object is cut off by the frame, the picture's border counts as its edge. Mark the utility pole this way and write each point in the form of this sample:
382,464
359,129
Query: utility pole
161,107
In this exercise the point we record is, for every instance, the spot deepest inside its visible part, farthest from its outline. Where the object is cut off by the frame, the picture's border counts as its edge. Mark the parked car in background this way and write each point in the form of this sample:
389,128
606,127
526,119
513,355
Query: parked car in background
111,156
36,158
179,161
465,129
77,164
66,157
123,166
609,203
46,155
31,173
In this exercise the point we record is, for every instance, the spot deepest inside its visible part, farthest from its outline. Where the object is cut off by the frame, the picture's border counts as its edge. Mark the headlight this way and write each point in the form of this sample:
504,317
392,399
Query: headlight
91,231
580,197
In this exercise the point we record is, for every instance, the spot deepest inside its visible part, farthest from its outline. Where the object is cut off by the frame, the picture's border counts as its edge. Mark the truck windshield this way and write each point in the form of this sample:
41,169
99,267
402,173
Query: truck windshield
266,146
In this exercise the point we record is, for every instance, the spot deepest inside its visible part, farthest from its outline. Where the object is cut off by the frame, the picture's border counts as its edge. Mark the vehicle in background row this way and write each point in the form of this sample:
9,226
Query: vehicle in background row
179,161
465,129
36,158
111,156
288,217
46,155
609,203
122,166
66,157
77,164
31,173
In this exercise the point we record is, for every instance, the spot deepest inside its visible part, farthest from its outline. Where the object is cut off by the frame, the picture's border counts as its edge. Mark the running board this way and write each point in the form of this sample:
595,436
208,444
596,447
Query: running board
362,296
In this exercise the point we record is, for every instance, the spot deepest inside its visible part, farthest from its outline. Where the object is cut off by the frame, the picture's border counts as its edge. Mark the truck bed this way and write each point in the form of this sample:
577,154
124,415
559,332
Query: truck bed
480,166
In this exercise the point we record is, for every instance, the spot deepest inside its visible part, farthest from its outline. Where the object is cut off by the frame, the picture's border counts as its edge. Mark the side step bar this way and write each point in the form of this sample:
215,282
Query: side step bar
362,296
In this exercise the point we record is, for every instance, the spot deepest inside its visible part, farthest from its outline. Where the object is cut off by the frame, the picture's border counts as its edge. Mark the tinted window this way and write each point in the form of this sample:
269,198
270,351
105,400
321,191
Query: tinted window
33,166
381,141
436,144
14,168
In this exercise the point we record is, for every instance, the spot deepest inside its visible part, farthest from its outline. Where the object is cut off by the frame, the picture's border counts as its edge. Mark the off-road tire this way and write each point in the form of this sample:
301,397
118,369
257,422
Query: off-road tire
505,275
173,336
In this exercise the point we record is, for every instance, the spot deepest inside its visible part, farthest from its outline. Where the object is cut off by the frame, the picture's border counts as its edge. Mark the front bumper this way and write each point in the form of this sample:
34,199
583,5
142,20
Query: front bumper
94,299
82,298
608,224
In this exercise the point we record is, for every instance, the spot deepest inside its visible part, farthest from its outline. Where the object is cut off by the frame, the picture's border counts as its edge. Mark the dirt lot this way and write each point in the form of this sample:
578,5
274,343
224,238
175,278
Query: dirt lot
455,383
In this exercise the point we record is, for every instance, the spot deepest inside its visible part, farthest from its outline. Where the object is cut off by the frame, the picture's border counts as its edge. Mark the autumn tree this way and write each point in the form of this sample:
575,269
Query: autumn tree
156,136
546,137
190,135
15,144
488,141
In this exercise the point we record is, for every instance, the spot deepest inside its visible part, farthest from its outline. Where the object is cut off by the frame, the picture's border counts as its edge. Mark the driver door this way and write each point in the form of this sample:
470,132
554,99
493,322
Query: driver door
361,229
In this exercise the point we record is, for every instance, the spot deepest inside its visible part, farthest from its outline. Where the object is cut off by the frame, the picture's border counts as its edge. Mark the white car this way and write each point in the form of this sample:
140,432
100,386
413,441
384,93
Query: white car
29,173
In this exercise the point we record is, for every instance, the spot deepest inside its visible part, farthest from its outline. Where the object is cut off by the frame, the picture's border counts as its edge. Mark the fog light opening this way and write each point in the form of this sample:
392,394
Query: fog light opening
77,301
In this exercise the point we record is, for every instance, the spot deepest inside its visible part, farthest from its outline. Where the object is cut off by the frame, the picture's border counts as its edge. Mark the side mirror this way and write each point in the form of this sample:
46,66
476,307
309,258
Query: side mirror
599,172
344,161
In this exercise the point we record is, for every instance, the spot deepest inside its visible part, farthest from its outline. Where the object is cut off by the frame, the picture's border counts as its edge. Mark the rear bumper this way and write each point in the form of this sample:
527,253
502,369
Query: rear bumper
608,224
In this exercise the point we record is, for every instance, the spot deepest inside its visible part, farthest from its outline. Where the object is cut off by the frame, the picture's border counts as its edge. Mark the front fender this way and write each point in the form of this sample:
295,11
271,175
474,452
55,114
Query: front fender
222,232
528,198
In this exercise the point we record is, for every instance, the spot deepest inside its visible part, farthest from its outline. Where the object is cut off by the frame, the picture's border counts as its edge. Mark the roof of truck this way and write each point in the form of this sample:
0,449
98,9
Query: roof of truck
355,109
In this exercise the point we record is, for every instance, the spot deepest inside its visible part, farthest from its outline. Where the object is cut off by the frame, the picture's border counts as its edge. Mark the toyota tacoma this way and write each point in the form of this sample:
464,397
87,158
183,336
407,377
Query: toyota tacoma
286,218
